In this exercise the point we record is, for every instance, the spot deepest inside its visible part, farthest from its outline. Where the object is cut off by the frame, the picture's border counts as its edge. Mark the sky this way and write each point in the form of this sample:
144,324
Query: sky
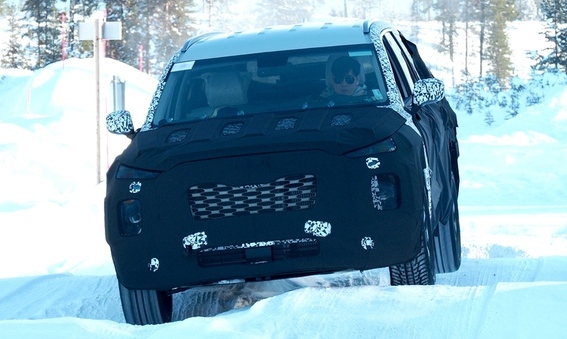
57,278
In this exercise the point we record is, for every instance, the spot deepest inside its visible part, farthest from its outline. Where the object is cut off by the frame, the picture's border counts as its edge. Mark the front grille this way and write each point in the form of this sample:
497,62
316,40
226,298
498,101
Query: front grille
257,253
215,201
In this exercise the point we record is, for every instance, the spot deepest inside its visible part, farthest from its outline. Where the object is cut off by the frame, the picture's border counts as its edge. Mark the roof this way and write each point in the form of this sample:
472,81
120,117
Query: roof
277,38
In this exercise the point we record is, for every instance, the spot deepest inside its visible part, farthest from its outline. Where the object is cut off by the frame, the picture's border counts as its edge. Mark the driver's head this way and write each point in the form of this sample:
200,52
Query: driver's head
346,75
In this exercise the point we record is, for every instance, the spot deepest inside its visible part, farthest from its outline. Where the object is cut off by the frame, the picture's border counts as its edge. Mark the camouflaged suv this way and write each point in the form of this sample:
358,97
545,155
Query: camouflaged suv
284,152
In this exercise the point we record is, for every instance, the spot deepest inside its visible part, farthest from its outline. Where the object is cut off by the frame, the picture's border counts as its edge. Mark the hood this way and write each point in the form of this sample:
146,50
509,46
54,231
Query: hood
334,131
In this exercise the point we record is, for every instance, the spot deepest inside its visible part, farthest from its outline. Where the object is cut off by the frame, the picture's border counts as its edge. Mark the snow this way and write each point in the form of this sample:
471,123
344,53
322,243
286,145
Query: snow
57,278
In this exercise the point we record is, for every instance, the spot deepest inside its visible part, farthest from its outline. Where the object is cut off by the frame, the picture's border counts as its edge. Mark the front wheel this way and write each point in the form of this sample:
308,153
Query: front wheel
447,235
417,271
448,242
144,307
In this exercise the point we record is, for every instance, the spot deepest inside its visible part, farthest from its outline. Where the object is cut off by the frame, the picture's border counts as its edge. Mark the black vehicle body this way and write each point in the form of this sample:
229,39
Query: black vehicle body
280,193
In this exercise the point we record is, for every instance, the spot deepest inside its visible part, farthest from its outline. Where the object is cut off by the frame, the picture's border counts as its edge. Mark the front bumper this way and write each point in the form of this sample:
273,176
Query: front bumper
338,226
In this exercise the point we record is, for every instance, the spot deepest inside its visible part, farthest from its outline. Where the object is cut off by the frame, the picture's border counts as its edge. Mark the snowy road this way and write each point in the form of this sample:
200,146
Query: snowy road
500,291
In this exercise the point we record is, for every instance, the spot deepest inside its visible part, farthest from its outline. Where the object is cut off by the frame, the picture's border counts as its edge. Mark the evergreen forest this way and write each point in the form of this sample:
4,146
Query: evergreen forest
40,32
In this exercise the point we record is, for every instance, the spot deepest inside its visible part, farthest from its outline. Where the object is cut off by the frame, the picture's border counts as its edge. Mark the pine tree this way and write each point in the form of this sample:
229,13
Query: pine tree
79,10
467,17
284,12
134,38
171,26
13,53
483,9
426,7
555,13
218,15
44,30
362,8
498,51
492,17
3,8
448,12
517,87
152,31
528,9
415,16
489,118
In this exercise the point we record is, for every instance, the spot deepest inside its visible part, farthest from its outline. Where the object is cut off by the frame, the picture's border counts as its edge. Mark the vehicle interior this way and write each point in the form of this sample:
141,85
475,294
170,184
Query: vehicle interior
287,81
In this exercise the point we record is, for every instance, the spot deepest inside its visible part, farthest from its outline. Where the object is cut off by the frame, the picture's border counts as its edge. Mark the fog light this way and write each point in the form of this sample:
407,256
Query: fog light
384,190
130,218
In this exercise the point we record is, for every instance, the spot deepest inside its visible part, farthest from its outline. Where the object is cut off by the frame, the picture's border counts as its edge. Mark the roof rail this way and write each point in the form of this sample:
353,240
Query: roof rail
366,26
195,39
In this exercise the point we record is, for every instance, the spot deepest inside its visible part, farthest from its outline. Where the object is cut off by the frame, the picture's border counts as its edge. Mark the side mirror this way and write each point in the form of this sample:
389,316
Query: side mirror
120,122
428,91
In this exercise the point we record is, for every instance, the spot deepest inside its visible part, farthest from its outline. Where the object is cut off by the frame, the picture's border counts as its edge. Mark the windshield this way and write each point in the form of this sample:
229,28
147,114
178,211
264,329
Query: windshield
284,81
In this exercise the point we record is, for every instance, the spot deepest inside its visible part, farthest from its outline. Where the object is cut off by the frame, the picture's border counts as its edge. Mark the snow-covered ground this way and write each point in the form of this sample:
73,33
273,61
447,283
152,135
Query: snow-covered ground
57,278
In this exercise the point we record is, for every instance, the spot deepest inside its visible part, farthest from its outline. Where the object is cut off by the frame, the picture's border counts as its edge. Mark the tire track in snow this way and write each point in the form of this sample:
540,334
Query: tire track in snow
457,305
475,323
485,272
60,295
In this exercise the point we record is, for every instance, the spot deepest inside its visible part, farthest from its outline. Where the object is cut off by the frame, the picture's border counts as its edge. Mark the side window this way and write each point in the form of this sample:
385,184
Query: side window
407,58
404,70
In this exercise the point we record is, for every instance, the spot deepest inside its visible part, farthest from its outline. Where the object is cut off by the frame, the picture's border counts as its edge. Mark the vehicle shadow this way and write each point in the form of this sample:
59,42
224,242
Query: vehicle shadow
209,301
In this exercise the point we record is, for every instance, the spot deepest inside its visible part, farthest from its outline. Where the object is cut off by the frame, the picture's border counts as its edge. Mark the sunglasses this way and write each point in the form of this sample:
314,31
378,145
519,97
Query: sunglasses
349,79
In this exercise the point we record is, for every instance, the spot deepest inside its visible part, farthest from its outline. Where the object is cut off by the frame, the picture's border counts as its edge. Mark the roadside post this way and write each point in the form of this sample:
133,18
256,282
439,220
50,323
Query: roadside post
97,31
118,94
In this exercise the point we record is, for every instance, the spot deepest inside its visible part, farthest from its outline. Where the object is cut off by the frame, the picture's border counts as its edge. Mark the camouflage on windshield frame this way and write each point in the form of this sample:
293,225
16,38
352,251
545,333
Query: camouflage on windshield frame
157,95
394,97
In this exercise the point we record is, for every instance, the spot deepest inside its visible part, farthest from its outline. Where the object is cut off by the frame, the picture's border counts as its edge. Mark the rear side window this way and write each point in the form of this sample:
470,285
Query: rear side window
271,83
404,71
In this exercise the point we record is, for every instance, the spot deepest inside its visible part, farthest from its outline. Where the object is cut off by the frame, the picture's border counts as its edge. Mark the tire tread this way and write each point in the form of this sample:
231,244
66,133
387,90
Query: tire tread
145,307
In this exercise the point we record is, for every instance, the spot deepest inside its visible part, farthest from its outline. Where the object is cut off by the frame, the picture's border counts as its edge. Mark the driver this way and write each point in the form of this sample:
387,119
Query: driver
345,78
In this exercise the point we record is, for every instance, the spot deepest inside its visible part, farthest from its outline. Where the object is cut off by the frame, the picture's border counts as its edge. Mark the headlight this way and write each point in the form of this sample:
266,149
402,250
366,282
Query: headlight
384,146
126,172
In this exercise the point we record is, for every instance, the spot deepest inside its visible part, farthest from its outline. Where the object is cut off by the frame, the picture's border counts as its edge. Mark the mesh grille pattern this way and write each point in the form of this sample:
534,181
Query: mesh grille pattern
214,201
258,252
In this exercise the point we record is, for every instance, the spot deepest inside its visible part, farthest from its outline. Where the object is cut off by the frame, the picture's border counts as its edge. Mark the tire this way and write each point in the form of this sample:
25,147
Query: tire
447,238
145,307
417,271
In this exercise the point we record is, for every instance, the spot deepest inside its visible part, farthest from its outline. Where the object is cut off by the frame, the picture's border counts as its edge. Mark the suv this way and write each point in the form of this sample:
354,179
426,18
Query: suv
254,164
